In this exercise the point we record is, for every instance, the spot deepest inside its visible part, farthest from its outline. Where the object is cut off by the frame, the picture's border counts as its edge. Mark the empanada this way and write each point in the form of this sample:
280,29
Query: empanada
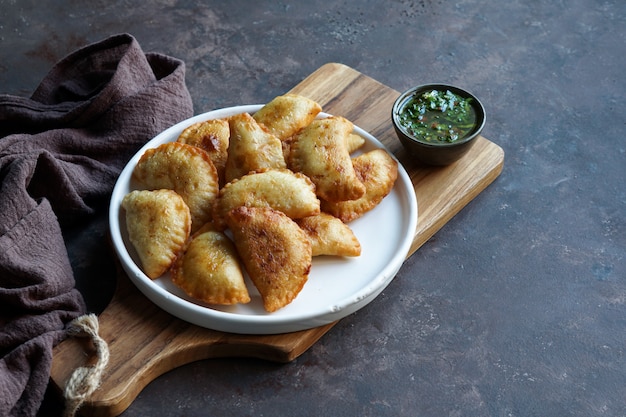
354,141
378,171
213,137
186,169
158,224
209,270
320,152
276,253
285,115
251,148
292,193
330,236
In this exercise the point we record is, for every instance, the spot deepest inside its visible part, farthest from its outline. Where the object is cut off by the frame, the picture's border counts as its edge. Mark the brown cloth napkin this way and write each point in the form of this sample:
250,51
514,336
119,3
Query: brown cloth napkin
61,151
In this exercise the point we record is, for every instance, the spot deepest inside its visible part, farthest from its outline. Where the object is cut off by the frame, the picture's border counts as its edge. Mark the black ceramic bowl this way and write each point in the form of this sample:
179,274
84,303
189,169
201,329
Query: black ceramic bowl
437,152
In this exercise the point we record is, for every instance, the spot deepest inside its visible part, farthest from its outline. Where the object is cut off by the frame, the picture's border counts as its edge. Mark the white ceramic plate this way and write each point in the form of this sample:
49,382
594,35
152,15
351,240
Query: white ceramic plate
336,287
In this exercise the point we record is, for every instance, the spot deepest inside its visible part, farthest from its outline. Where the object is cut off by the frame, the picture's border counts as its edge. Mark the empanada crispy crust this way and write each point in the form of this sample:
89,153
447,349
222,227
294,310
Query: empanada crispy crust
378,171
354,141
285,115
158,224
286,191
186,169
330,236
276,253
209,270
320,152
213,137
251,148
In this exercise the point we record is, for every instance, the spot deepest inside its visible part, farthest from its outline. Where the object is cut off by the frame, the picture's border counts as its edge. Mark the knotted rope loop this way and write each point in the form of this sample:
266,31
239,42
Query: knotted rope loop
85,379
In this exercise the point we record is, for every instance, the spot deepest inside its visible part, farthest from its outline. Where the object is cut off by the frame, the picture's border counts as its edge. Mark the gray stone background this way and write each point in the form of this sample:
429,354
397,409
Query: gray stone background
517,307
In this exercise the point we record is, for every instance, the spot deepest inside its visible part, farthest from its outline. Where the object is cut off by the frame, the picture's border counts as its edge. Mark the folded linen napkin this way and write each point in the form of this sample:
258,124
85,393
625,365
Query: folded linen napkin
61,151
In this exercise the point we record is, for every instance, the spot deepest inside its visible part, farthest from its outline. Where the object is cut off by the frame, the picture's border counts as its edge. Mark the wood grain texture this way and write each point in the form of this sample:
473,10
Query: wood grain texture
145,341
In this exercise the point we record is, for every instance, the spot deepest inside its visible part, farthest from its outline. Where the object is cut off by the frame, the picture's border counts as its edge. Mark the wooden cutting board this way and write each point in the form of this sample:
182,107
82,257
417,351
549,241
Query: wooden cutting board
145,341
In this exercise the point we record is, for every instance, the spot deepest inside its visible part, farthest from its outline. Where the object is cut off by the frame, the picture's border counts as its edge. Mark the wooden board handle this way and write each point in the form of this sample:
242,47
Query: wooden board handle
145,342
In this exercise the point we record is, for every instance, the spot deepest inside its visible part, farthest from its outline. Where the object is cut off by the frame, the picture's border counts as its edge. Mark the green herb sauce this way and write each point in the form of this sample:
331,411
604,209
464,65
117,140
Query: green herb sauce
438,116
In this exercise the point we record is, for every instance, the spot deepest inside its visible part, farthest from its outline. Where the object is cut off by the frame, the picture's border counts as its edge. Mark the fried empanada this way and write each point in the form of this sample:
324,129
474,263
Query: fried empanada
285,115
213,137
158,224
378,171
320,152
252,148
209,270
286,191
330,236
186,169
287,147
354,141
276,253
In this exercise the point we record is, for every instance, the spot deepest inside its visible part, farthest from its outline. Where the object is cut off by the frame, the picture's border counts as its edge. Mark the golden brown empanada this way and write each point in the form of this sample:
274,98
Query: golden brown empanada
330,236
186,169
320,152
252,148
158,224
276,253
285,115
287,147
213,137
209,270
354,141
378,171
292,193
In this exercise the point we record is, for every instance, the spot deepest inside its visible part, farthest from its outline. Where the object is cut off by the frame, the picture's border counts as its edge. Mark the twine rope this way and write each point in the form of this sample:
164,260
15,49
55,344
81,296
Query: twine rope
85,379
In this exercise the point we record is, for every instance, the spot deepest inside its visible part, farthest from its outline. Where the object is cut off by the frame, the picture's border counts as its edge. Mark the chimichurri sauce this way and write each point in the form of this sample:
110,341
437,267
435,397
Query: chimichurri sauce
438,116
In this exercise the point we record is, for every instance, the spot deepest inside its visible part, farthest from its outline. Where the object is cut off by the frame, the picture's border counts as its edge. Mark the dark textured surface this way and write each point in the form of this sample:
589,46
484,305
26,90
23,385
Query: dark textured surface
517,307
